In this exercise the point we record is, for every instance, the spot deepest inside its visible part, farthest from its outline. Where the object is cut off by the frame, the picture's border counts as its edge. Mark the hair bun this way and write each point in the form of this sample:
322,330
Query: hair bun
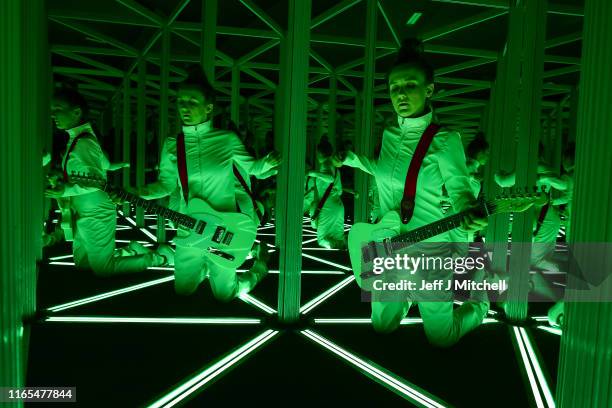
411,48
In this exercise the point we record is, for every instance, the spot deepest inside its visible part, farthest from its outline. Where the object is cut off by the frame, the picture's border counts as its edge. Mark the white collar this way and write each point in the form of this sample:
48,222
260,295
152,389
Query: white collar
197,130
77,130
415,125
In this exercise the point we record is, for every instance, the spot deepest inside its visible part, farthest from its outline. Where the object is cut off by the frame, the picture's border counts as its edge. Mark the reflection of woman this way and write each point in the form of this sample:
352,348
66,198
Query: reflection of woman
94,212
410,86
327,209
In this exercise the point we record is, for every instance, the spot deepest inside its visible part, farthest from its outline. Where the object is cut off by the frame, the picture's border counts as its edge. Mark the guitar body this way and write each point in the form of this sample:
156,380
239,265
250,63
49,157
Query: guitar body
67,222
372,235
227,237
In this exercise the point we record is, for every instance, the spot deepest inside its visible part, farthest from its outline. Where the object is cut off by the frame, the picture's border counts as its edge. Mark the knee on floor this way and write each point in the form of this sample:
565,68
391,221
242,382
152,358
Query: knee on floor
384,327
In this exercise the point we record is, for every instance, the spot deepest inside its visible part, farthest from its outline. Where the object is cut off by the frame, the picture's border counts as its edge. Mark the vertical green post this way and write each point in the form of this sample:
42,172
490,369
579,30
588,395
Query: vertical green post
24,124
290,193
163,112
141,116
209,38
531,17
235,95
364,139
331,112
586,345
127,137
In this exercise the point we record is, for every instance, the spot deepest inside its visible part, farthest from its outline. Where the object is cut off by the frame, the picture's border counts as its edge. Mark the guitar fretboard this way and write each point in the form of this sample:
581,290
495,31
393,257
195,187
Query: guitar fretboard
150,206
437,227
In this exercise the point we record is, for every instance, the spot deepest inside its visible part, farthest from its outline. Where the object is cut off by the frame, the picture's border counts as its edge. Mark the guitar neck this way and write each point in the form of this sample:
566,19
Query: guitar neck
437,227
150,206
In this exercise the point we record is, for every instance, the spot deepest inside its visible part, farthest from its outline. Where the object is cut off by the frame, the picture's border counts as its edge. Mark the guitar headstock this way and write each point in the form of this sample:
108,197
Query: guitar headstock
519,200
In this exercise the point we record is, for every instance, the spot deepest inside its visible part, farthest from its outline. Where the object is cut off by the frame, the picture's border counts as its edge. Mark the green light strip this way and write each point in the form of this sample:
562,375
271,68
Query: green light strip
307,307
193,384
383,376
321,249
62,263
538,369
540,318
308,241
367,320
552,330
57,258
161,320
249,299
149,234
107,295
314,272
414,18
528,369
325,261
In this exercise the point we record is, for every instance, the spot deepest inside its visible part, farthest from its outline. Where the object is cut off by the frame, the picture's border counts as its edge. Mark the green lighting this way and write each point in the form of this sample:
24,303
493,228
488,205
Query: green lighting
407,390
107,295
413,19
552,330
57,258
538,368
148,234
245,297
62,263
529,370
160,320
323,296
208,374
366,320
325,261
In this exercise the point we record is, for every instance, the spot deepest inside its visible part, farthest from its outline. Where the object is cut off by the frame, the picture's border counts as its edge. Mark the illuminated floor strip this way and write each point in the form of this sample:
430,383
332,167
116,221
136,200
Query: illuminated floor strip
107,295
307,307
161,320
553,330
337,265
386,378
321,249
540,318
149,234
528,368
550,401
57,258
366,320
208,374
308,241
61,263
257,303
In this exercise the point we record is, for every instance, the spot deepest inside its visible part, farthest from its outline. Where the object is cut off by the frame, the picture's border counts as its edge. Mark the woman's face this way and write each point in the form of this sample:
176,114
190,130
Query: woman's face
193,107
65,116
408,91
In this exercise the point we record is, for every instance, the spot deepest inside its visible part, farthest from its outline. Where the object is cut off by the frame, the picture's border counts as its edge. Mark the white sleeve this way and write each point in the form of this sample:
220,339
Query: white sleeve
88,159
168,173
451,161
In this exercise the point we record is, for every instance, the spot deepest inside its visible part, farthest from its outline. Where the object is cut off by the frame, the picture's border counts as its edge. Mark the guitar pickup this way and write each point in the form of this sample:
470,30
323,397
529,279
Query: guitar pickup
368,252
199,229
228,238
218,235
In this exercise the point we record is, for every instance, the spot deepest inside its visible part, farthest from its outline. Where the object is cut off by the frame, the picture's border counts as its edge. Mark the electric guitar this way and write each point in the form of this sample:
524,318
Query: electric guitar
383,239
225,237
66,221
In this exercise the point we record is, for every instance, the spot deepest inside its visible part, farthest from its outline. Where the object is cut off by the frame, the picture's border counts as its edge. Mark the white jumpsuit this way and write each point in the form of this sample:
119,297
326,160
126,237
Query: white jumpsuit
95,213
444,164
210,156
330,222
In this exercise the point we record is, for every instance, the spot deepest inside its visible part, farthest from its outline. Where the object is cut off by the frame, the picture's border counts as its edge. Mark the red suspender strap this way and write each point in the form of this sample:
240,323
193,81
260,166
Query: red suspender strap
541,217
328,191
70,149
407,206
248,191
181,162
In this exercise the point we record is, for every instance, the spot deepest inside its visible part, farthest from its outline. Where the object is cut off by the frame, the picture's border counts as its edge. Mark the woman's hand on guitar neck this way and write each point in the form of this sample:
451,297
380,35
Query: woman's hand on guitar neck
55,192
474,220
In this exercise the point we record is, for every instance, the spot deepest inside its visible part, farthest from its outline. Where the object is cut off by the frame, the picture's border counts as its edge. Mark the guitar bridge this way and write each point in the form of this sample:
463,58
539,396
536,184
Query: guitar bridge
221,254
368,252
